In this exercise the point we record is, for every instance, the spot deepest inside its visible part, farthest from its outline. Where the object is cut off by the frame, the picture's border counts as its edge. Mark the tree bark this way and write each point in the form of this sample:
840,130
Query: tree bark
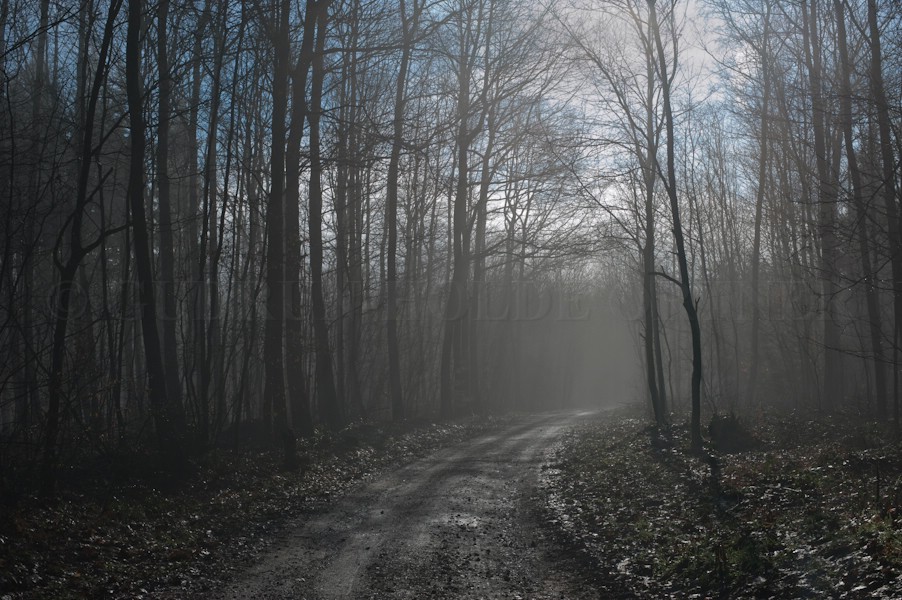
167,253
759,207
274,405
332,412
77,252
408,27
671,185
826,223
302,419
872,299
166,417
651,344
878,92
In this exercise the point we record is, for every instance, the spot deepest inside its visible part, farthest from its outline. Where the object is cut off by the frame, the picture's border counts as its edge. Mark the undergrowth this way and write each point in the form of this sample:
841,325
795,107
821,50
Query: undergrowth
805,508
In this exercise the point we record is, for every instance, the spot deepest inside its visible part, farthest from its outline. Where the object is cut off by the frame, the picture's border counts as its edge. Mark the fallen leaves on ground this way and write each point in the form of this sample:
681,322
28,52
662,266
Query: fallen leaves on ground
813,510
137,540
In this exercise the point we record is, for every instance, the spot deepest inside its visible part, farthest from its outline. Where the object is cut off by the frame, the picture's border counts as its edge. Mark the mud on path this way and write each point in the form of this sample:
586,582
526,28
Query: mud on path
462,523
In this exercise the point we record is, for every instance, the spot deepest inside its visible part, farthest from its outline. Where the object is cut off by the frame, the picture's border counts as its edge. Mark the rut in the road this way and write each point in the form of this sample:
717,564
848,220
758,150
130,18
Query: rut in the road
459,524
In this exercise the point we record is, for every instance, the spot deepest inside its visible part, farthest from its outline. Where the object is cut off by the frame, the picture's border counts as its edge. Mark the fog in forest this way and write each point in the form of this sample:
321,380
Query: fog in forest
578,350
292,217
256,241
300,216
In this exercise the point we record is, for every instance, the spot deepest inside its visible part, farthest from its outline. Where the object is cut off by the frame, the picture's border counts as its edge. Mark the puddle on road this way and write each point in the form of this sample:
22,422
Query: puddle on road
462,520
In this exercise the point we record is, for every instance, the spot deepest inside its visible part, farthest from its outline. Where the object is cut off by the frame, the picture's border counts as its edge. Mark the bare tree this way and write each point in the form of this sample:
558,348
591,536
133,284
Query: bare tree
670,184
168,418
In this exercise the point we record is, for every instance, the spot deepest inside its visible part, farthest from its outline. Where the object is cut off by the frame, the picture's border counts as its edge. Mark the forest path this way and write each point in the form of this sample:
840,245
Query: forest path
462,523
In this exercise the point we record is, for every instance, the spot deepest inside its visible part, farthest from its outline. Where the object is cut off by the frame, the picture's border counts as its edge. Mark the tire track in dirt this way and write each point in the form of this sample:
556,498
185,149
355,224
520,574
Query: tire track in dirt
461,523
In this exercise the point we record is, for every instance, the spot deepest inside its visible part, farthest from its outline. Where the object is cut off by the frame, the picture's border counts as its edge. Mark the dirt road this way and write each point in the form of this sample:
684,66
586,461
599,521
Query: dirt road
463,523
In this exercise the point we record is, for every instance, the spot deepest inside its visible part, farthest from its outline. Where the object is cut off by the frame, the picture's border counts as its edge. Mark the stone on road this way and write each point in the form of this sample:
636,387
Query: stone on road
462,523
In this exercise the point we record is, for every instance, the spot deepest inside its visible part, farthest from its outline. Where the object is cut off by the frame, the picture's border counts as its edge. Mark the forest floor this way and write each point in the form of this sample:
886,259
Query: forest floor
563,505
790,507
111,533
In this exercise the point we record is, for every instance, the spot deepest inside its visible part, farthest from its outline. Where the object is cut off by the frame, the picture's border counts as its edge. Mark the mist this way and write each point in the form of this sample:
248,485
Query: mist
421,277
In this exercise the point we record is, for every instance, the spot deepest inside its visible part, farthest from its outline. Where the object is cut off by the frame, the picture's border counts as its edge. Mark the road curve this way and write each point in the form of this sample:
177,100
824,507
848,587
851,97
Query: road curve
462,523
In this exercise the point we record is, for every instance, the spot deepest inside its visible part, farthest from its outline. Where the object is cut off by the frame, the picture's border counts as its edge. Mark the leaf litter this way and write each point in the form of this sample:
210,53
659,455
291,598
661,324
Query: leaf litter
811,509
142,538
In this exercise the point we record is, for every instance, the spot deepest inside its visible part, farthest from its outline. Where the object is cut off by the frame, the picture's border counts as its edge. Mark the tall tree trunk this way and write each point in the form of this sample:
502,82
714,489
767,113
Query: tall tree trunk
220,349
358,207
671,185
332,412
347,169
167,253
649,288
408,27
453,368
167,419
826,225
77,252
207,273
870,276
302,420
194,364
274,406
878,93
344,213
759,206
124,324
479,267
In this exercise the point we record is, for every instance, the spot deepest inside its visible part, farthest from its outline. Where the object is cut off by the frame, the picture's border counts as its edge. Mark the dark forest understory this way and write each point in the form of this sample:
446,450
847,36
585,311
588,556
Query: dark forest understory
123,527
527,505
792,507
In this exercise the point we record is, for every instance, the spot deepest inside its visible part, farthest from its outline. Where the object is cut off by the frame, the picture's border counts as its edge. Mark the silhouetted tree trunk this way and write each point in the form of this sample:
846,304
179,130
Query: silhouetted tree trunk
208,268
826,224
759,205
328,403
167,253
166,417
453,366
870,276
294,332
274,405
671,186
878,92
649,287
408,31
197,355
76,253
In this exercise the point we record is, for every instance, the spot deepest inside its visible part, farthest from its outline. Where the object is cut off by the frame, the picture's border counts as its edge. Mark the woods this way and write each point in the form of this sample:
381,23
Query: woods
221,218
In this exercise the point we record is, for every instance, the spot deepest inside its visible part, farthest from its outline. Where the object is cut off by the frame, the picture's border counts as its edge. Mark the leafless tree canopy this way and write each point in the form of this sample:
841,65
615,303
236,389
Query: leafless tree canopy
227,219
